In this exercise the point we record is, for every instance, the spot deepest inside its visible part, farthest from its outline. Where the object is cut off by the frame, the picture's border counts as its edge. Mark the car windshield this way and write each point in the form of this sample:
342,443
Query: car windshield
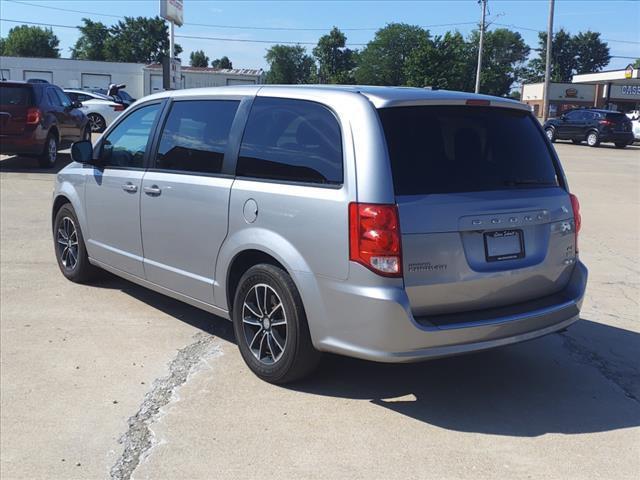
445,149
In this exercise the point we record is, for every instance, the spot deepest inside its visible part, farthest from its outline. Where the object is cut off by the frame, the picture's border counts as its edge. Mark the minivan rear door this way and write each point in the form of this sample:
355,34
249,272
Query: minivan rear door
15,100
484,218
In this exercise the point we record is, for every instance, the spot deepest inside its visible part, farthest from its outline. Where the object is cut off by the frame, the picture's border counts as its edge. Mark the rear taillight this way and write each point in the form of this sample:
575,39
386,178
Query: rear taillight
118,108
374,238
577,219
606,123
33,116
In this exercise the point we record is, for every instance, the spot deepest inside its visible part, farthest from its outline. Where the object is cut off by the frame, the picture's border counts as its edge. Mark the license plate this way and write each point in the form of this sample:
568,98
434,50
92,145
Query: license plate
503,245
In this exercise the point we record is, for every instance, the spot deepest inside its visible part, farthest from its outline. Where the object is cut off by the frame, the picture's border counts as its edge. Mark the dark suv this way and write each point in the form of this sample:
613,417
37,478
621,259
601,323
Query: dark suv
36,119
594,126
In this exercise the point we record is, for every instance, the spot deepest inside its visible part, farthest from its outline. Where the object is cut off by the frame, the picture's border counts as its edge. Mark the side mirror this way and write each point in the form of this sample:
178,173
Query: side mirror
82,152
563,117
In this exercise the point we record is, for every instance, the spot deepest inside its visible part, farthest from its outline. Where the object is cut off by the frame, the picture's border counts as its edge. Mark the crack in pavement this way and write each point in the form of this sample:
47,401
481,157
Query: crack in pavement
592,359
139,438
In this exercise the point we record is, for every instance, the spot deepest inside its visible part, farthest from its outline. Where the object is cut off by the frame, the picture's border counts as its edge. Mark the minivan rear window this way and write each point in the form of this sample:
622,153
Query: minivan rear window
447,149
15,95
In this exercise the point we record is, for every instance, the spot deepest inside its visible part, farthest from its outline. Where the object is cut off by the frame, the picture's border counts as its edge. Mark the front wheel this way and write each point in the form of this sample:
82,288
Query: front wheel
270,326
551,134
97,123
621,145
593,139
70,249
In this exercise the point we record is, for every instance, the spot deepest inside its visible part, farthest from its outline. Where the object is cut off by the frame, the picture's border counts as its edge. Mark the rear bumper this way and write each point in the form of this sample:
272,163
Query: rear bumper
620,137
375,323
28,143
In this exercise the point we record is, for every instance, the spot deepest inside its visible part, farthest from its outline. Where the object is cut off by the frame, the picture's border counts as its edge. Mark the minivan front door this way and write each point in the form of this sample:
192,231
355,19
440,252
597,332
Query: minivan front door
185,198
112,193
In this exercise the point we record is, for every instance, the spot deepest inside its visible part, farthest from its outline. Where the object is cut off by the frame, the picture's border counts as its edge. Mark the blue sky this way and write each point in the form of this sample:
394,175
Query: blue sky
616,20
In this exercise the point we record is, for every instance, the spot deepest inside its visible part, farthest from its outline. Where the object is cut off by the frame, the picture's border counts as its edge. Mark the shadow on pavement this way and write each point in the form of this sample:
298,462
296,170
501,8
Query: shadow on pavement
17,164
543,386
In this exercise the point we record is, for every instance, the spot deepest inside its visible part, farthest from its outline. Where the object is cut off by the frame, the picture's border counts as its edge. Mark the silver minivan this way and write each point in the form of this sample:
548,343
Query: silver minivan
385,223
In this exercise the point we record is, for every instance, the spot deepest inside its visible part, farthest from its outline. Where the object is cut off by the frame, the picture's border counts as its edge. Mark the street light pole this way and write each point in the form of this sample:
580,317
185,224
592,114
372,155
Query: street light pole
482,27
547,69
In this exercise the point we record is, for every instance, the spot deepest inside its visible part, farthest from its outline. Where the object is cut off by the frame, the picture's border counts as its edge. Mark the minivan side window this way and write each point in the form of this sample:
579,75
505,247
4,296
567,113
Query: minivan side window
126,143
291,140
195,136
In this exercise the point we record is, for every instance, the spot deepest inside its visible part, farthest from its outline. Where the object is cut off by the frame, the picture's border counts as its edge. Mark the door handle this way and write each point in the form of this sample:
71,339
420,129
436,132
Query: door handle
152,191
130,187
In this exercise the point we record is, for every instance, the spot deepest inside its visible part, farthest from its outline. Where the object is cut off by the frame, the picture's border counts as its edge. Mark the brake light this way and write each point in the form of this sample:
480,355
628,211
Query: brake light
118,108
606,123
577,218
374,238
478,103
33,116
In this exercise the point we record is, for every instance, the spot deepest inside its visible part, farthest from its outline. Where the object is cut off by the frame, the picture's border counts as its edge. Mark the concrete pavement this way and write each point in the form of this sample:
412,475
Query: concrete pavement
111,380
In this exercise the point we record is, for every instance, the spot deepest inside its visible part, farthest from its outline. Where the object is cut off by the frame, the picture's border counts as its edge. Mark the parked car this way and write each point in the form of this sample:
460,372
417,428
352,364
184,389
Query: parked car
37,119
120,96
99,109
389,224
593,125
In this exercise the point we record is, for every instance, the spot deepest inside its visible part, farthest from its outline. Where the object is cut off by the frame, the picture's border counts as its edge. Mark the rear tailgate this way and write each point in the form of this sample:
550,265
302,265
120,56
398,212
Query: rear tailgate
484,220
15,100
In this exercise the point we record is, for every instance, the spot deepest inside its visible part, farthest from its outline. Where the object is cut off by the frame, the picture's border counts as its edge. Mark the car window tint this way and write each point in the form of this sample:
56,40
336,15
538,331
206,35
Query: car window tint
81,97
74,97
446,149
64,100
573,115
291,140
195,135
126,143
53,98
15,95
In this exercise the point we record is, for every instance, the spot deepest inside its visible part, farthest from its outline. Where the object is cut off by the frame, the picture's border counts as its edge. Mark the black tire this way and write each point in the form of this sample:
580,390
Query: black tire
97,123
593,139
550,132
297,358
80,271
621,145
576,141
47,159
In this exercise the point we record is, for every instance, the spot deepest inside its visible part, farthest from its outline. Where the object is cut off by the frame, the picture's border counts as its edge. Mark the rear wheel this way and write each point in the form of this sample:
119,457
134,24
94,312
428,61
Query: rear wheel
621,145
593,139
97,122
551,134
47,158
271,326
71,252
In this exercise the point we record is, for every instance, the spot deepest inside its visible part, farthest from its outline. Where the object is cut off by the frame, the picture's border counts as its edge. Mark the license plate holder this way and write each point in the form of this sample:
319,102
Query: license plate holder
503,245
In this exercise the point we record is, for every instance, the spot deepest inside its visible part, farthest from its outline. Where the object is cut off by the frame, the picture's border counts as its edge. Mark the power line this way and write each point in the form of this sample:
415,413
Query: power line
302,29
219,39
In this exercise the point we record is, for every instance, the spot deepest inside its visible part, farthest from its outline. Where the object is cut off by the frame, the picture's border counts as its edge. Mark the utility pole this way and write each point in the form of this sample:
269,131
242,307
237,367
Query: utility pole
547,68
482,28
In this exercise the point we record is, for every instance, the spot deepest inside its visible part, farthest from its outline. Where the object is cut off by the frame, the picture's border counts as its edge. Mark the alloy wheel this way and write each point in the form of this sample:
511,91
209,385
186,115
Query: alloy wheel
96,123
67,243
592,139
52,151
264,323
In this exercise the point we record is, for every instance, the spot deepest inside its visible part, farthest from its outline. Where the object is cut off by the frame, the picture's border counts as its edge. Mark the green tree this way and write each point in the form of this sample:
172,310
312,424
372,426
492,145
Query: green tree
139,40
503,60
582,53
636,64
28,41
223,63
448,62
198,59
289,64
336,62
383,60
91,44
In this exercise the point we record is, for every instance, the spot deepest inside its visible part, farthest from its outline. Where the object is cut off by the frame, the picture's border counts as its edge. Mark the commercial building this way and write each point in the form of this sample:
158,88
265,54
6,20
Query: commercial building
141,79
612,89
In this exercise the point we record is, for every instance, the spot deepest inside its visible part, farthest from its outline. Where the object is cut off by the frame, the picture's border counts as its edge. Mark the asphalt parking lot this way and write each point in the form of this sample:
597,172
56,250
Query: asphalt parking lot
110,380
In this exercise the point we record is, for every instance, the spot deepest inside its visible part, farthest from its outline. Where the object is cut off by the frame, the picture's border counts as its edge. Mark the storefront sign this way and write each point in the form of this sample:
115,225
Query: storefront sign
571,92
630,89
172,10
